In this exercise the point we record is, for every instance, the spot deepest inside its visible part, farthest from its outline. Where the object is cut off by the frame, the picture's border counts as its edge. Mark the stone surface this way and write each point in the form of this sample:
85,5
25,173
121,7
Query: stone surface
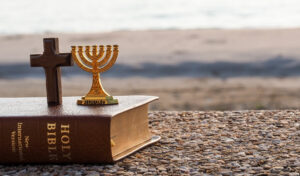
203,143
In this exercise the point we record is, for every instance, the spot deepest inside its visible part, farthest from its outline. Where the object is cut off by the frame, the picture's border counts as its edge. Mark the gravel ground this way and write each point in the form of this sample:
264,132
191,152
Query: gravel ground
203,143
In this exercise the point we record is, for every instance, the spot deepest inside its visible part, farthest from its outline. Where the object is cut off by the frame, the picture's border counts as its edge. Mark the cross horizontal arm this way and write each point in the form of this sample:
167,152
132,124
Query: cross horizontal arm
63,59
34,60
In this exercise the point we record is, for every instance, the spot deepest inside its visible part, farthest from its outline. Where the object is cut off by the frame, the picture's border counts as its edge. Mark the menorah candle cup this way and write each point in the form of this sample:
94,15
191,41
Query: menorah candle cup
96,62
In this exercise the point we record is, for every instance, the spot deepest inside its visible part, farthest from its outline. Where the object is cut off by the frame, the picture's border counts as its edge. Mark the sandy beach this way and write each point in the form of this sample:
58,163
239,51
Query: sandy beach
169,46
189,69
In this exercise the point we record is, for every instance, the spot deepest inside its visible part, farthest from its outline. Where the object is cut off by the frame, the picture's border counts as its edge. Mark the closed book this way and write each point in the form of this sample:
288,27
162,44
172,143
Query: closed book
33,132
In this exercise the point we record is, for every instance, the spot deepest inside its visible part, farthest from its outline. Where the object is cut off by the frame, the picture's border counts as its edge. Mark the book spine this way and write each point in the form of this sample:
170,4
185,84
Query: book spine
47,139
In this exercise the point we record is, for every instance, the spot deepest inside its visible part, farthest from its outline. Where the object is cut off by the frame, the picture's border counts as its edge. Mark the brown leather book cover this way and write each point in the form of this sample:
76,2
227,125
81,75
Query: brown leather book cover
33,132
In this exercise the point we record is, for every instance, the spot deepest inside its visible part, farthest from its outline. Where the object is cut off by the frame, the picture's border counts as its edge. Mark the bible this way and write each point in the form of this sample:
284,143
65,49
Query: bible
33,132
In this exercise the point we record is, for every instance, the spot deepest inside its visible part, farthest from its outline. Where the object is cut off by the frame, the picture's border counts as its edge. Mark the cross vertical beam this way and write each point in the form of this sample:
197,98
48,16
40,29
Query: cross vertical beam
51,60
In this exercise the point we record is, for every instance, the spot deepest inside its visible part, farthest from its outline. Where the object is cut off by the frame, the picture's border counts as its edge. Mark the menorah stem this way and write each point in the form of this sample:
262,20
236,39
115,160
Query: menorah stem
97,89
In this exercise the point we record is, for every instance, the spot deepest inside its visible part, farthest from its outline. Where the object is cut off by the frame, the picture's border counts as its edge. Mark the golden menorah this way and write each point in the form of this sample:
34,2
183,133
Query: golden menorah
95,62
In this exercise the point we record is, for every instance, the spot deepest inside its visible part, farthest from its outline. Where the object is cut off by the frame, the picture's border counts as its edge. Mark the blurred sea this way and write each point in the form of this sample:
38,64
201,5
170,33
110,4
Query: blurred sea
36,16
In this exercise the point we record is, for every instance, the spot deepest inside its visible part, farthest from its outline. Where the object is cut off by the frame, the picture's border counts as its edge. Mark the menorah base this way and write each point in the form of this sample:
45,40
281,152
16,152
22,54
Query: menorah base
97,101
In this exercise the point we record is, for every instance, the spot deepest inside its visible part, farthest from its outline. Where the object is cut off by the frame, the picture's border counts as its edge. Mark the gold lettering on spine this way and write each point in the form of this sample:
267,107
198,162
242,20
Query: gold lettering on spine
20,144
19,141
65,129
65,148
68,156
13,141
65,140
51,126
56,138
52,148
27,139
51,140
53,157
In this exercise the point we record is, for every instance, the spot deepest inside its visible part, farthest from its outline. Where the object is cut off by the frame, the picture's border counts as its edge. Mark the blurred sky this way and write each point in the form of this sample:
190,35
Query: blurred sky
36,16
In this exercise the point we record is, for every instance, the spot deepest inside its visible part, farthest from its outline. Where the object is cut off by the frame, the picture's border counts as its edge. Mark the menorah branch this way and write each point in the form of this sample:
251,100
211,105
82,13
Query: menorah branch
106,58
87,52
112,60
78,62
101,52
83,58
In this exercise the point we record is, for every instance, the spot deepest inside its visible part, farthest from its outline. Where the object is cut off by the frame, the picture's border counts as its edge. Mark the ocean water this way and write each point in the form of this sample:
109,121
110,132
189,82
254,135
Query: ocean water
40,16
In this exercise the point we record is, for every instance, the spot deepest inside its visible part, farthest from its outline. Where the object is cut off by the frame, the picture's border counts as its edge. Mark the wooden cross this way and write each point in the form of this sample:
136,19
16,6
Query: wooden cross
51,60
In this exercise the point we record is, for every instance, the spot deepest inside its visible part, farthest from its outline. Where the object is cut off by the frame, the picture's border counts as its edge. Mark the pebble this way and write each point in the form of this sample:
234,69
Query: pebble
202,143
93,173
161,168
276,169
226,172
143,170
242,154
184,169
